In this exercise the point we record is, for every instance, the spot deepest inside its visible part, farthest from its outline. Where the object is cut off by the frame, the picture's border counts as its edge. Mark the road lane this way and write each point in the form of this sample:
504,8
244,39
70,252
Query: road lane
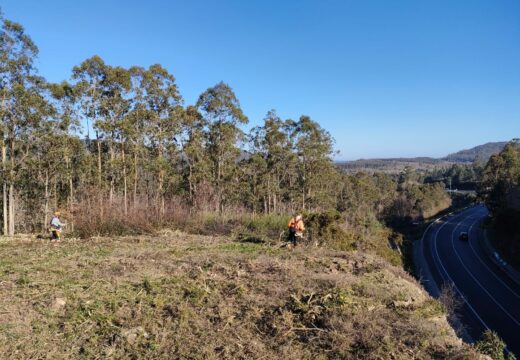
503,295
491,299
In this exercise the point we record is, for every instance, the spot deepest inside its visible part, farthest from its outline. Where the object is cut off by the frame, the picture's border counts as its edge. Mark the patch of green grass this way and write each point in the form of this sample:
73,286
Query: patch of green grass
195,293
102,252
247,248
23,280
430,308
196,248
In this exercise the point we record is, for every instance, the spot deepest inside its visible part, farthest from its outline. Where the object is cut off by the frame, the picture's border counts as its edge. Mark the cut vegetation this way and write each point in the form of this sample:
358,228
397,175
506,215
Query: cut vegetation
187,296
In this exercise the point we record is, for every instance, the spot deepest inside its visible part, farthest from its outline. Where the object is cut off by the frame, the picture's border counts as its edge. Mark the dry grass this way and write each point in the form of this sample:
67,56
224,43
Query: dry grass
184,296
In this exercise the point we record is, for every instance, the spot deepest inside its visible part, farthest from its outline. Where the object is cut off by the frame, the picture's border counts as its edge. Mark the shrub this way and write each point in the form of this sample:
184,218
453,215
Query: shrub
327,228
491,344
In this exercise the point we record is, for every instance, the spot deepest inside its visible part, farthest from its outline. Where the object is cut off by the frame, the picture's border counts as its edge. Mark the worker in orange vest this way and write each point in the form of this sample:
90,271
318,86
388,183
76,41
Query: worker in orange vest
296,229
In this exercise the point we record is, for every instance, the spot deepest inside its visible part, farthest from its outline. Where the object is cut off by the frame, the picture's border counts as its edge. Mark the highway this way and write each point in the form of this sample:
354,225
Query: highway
490,298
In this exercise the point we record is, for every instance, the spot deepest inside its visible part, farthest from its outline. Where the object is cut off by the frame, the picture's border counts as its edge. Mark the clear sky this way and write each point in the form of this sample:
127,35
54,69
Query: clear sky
387,78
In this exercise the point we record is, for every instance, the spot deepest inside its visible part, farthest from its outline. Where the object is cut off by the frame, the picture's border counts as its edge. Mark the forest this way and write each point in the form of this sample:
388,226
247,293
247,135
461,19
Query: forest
117,151
147,153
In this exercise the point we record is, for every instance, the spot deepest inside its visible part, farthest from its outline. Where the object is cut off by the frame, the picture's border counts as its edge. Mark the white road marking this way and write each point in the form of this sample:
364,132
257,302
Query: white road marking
473,277
487,267
453,282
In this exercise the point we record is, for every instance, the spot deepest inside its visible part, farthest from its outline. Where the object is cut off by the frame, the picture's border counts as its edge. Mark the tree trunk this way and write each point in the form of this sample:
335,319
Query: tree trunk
11,191
55,194
6,220
100,189
11,209
4,189
303,185
190,184
269,196
135,178
71,192
111,195
161,195
161,176
125,197
71,187
275,195
46,213
219,192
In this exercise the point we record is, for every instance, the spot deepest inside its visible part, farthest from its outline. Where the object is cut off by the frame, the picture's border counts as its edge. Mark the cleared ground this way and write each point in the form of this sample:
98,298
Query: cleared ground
183,296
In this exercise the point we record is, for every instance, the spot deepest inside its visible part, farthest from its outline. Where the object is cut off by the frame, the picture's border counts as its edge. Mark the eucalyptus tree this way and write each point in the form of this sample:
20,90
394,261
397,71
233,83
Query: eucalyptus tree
59,138
22,108
221,109
114,107
88,78
253,190
106,100
196,166
162,112
314,147
134,128
272,141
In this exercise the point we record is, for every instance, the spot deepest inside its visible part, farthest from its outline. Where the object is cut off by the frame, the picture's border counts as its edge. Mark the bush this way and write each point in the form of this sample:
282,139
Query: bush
331,229
262,228
327,228
340,231
491,344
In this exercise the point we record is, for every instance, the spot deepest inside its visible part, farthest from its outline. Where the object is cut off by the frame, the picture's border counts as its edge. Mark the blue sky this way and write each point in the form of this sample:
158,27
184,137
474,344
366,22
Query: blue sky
387,78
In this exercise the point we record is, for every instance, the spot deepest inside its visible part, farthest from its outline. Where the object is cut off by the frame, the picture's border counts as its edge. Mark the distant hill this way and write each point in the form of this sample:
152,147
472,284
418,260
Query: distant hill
481,152
393,165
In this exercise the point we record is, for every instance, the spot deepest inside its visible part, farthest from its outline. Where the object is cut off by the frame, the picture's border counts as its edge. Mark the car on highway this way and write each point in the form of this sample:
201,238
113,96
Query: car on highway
463,236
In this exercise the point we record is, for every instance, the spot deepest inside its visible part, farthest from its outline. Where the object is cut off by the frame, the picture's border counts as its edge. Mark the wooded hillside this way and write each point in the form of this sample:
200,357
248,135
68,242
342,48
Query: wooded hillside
113,139
501,190
113,145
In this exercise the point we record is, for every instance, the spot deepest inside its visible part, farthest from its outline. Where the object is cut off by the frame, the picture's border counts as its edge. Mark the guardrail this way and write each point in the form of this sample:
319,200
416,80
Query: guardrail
495,257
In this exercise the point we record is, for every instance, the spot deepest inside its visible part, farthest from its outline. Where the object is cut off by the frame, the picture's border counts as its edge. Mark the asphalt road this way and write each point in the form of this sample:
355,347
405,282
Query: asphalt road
490,298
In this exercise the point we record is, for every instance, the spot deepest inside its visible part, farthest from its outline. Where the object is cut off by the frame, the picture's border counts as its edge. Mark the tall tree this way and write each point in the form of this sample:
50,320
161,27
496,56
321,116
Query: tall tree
273,143
314,147
221,108
112,124
162,104
61,140
193,153
88,77
22,106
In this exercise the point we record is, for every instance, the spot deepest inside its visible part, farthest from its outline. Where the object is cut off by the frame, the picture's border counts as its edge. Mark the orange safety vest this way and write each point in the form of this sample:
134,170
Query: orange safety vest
296,225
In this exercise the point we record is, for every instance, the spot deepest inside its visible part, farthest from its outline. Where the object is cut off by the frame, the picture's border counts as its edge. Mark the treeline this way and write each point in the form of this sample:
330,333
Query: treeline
392,165
148,151
118,145
500,187
457,176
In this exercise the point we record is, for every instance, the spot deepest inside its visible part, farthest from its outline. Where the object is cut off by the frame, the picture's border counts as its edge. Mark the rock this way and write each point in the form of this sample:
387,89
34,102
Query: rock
403,304
131,335
58,303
